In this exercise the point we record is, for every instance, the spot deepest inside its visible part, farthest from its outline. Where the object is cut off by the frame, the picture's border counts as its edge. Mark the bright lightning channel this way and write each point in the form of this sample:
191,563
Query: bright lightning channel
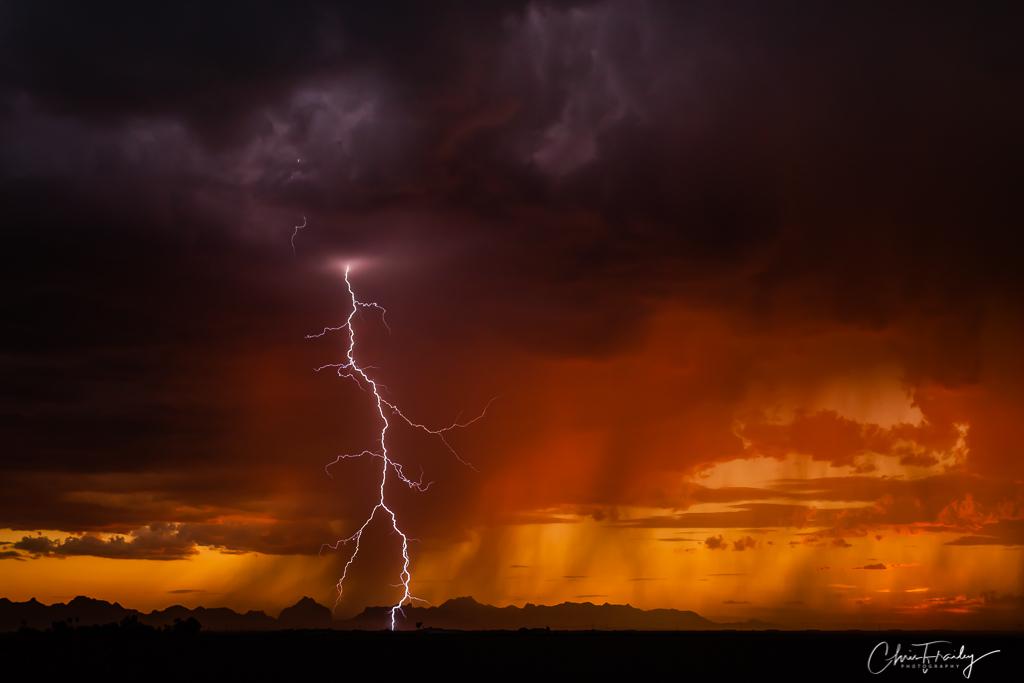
351,369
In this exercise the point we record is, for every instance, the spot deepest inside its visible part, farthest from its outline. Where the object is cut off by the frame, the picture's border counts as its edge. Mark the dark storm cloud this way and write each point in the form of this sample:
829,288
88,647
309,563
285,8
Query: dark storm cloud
212,66
164,541
559,171
1007,532
158,542
944,503
644,146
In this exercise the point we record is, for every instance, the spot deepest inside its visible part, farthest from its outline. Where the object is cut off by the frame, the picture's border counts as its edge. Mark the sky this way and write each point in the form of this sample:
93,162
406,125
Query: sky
739,286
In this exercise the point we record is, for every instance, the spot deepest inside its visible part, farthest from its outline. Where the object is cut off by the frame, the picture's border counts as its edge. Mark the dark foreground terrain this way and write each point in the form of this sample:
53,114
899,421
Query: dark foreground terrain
134,651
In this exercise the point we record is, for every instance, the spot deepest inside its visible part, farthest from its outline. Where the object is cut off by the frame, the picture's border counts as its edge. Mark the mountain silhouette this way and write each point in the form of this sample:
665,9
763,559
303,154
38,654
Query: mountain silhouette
306,613
467,614
463,613
212,618
84,611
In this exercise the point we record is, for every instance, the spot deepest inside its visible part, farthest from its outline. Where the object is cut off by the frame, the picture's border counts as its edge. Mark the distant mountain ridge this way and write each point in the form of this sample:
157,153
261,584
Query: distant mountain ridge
463,613
467,613
85,611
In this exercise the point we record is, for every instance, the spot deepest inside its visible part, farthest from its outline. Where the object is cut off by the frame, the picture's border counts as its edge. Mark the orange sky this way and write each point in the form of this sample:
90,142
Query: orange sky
801,478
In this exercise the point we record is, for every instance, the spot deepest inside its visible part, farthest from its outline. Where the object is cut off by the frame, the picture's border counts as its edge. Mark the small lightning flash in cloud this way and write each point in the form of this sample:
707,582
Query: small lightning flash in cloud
296,232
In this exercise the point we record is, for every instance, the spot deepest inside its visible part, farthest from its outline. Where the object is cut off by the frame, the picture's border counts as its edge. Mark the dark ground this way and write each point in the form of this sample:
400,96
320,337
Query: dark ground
135,652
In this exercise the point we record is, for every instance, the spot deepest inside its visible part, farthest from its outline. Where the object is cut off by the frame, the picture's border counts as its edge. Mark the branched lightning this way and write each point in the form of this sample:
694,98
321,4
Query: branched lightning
350,368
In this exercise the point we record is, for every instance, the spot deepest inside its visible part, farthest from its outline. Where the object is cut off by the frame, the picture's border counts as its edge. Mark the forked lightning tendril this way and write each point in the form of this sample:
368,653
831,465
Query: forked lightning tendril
295,233
351,369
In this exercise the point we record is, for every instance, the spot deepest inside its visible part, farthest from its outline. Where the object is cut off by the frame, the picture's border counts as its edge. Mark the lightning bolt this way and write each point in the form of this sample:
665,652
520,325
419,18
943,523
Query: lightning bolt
350,369
295,232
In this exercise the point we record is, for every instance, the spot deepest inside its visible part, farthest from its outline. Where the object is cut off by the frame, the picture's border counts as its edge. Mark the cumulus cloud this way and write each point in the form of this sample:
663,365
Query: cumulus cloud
715,543
745,543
